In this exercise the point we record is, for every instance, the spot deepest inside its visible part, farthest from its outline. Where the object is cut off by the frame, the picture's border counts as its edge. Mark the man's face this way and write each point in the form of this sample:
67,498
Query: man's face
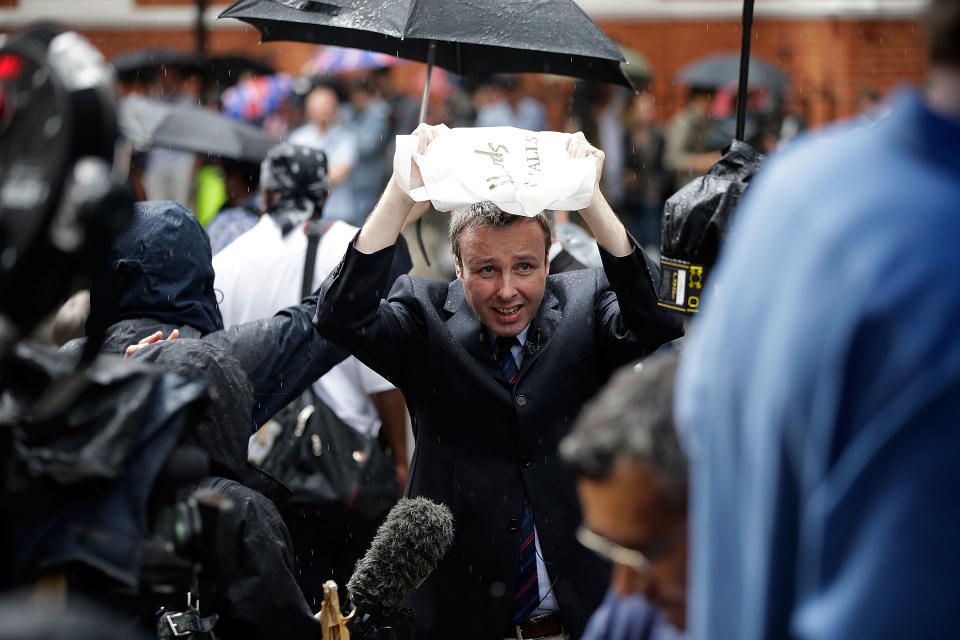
630,509
504,272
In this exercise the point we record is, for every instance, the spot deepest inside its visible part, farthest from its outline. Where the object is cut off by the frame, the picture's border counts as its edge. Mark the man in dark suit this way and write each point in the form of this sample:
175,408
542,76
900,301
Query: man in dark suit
494,367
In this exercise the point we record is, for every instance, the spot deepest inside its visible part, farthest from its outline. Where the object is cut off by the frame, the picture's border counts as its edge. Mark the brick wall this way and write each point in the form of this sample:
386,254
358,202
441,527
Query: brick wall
830,60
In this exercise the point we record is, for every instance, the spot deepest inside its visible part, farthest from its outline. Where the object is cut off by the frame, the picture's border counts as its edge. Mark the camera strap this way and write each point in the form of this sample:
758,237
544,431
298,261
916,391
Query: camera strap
186,624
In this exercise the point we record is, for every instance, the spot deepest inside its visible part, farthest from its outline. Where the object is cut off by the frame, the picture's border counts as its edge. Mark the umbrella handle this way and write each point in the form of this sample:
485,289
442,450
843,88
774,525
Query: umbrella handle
431,57
744,68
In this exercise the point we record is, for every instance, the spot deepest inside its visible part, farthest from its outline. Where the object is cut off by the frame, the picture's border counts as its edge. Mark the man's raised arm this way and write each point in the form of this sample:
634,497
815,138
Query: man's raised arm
603,222
387,219
631,304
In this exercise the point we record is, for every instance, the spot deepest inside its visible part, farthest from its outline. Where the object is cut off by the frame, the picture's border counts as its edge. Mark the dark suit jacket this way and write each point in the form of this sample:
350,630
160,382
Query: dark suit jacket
564,261
480,444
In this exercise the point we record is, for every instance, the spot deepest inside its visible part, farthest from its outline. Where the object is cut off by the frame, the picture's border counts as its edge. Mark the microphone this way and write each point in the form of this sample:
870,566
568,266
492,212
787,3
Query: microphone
408,546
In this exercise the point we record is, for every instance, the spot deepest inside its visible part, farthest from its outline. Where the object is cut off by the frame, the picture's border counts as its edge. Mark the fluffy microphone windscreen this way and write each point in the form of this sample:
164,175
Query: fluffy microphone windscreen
409,544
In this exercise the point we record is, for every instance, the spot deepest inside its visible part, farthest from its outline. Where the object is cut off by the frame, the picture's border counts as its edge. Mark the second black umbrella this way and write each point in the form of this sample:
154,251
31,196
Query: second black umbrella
151,123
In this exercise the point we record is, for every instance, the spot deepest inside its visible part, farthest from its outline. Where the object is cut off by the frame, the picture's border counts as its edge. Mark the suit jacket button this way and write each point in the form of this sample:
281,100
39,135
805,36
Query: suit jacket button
521,400
525,462
513,524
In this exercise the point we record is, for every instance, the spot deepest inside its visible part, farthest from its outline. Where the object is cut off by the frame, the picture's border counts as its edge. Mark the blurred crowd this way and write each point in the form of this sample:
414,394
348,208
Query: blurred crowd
354,117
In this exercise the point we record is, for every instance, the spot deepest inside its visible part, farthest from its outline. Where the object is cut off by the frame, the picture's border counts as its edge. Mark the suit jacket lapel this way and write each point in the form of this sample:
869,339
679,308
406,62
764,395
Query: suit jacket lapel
466,328
541,329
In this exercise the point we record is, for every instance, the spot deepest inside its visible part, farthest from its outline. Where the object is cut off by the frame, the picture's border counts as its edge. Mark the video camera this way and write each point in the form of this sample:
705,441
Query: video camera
61,197
96,483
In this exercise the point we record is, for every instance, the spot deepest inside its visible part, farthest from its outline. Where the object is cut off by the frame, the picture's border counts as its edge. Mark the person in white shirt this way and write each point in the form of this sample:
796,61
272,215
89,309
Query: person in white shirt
324,131
261,272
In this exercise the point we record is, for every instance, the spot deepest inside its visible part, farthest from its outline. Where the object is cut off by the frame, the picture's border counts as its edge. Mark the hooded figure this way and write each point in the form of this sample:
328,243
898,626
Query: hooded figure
261,598
225,427
162,278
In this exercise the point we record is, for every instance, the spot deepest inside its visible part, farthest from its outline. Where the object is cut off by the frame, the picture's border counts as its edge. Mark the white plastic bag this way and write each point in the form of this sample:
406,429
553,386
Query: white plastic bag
522,172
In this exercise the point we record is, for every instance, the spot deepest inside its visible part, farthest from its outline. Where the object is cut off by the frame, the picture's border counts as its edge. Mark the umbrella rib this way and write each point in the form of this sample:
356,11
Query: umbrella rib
406,26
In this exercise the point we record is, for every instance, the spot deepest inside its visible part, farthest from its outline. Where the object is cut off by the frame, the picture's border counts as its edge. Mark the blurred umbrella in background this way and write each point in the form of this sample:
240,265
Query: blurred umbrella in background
152,123
635,65
141,65
227,70
333,60
219,72
256,98
721,70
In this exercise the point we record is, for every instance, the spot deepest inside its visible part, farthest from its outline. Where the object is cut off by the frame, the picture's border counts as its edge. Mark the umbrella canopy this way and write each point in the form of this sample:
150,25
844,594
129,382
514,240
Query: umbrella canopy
141,64
258,97
331,60
226,70
221,71
470,36
724,69
635,64
151,123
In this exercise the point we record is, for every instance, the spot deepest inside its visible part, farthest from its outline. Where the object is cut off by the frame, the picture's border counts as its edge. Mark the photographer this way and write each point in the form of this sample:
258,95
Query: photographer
100,458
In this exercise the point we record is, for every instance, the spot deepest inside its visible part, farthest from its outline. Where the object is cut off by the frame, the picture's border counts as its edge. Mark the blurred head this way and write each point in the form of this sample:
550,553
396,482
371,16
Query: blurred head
295,183
321,107
943,33
240,179
701,98
160,268
643,109
632,481
867,98
502,261
362,91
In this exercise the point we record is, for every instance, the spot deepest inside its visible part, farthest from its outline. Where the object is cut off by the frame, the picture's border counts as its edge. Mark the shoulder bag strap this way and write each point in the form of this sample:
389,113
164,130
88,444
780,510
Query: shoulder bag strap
315,230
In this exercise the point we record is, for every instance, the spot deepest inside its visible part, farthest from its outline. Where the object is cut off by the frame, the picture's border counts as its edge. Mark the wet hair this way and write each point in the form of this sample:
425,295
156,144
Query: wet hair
631,420
943,32
487,214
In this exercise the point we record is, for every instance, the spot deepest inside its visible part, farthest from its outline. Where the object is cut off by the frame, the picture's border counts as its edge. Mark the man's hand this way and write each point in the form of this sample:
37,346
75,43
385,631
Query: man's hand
578,147
394,207
601,219
146,342
425,134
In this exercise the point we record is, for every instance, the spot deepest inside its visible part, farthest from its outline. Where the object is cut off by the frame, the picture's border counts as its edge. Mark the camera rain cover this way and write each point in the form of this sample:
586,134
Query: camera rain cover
695,220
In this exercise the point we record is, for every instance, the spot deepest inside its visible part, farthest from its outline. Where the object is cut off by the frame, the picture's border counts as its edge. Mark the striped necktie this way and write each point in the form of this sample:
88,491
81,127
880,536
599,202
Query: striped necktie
508,365
527,596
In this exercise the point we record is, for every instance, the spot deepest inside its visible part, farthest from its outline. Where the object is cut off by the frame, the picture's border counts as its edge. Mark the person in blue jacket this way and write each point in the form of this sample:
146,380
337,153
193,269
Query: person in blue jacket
819,392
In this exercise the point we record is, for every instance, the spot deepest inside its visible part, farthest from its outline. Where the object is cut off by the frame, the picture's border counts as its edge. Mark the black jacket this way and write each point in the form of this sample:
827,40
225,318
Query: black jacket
160,278
480,444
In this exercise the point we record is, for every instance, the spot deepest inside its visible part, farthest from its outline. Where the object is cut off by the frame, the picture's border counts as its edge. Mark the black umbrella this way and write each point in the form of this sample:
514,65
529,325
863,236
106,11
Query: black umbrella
724,69
151,123
463,36
141,64
225,71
